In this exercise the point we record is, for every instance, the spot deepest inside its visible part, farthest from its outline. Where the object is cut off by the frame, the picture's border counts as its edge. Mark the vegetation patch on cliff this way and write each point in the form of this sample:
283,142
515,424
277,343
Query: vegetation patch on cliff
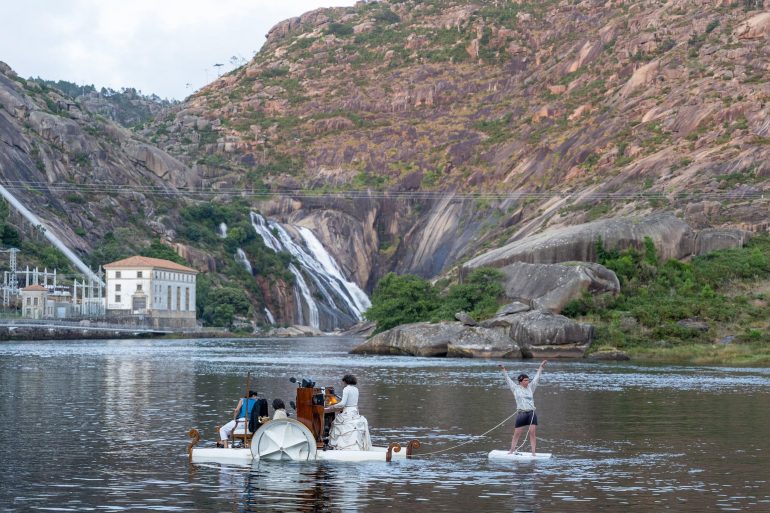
403,299
705,311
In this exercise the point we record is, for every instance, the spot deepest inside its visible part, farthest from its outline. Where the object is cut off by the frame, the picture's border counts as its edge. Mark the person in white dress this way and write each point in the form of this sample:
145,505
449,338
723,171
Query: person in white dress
350,430
279,409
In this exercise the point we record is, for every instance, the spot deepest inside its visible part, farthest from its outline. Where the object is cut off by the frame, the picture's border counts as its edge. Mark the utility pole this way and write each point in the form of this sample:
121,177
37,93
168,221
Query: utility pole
11,286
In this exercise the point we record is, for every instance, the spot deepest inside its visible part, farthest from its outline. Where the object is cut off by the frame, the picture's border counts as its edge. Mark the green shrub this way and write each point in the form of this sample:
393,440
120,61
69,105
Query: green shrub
403,299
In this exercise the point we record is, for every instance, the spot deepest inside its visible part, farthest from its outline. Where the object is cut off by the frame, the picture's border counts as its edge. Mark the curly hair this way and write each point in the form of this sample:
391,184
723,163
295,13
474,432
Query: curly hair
349,379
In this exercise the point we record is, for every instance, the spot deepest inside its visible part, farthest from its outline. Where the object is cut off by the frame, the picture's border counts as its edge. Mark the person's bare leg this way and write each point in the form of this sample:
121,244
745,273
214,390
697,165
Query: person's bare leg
515,441
533,438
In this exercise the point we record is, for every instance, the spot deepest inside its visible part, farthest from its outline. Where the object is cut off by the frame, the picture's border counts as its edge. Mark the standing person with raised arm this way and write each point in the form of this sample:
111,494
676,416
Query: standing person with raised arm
524,392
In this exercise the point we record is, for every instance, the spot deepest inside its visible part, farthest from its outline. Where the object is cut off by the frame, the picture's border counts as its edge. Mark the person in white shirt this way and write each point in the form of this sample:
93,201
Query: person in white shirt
279,409
523,393
349,430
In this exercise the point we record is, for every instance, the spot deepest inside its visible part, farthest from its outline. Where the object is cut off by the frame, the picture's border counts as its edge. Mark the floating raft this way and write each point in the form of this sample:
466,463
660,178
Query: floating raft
289,440
518,456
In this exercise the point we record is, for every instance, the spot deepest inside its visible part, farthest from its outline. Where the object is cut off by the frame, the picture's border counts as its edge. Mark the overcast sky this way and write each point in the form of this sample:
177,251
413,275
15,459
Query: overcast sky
165,47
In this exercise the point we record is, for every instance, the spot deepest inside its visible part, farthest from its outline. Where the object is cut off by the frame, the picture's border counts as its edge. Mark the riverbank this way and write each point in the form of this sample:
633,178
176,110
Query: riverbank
748,355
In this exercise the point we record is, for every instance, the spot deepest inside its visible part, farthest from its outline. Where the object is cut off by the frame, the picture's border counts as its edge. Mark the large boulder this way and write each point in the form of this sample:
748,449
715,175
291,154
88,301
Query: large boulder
477,342
552,286
417,339
673,238
713,239
540,333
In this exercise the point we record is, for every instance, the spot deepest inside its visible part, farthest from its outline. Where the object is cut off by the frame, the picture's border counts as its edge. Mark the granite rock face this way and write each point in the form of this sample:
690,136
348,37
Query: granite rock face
552,286
529,334
478,342
418,339
673,238
713,239
540,332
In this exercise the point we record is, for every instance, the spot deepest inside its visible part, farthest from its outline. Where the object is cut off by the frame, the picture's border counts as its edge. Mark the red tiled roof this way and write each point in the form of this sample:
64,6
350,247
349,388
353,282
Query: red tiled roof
141,261
34,288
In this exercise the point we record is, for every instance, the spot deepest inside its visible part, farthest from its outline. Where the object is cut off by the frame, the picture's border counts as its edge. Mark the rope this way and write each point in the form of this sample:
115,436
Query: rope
469,441
526,435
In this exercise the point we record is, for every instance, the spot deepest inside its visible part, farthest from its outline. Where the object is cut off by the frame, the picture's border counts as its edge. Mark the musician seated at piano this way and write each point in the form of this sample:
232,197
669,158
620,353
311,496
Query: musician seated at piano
349,430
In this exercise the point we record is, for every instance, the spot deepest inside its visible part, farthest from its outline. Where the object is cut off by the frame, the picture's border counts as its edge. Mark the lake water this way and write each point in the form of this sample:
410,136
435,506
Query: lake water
100,426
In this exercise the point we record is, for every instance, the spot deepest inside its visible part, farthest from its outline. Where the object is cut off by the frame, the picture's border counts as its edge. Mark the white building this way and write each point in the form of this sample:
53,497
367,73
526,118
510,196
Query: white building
33,298
160,290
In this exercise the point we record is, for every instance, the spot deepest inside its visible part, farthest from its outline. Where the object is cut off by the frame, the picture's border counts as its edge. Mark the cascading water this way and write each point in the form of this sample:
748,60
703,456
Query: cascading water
240,256
346,289
329,300
222,230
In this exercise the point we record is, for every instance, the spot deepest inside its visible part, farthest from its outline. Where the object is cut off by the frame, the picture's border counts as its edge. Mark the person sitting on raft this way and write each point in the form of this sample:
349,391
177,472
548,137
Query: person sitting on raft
279,409
523,393
240,414
349,430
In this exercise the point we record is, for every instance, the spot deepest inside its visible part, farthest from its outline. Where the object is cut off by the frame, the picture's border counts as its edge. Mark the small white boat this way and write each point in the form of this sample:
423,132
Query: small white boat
300,439
518,456
289,440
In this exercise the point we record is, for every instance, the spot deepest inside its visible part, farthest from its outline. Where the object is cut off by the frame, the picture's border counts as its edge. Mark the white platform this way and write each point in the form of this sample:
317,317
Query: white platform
518,456
244,456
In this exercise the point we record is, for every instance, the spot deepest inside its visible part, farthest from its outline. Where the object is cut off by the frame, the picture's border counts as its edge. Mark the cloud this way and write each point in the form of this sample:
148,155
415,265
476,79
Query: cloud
156,46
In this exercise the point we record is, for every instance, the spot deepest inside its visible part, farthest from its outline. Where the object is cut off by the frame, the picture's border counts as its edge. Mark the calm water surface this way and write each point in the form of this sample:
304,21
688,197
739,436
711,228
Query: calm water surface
100,426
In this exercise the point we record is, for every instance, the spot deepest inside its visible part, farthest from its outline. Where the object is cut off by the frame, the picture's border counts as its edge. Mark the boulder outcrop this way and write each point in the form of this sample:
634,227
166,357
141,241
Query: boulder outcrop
541,333
418,339
478,342
713,239
531,334
673,238
552,286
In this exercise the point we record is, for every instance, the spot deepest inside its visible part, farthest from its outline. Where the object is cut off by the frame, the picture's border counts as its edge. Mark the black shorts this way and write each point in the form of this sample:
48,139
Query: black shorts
525,418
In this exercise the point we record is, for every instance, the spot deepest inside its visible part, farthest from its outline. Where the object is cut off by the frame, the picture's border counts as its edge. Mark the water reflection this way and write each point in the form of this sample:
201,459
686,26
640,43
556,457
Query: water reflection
293,487
93,425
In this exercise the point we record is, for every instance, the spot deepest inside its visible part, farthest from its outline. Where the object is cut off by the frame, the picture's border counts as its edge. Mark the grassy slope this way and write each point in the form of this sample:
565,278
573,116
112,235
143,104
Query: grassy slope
726,292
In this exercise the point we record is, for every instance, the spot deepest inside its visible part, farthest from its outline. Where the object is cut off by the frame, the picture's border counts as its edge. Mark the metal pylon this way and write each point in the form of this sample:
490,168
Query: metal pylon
11,287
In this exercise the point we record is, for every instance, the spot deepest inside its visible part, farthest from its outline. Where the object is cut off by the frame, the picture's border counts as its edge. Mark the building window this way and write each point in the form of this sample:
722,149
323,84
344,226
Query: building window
117,274
138,274
179,298
187,299
34,301
168,295
117,298
139,288
29,301
117,287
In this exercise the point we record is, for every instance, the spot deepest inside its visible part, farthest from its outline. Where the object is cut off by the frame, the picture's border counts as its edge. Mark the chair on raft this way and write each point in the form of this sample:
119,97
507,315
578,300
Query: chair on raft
245,430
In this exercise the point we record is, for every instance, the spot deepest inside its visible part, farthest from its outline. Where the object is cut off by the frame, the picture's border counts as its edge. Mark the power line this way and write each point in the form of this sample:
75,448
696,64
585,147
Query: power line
163,190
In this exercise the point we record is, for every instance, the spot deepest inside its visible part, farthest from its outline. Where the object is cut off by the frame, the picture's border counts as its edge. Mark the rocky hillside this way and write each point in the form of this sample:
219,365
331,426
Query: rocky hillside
592,108
414,135
84,176
127,107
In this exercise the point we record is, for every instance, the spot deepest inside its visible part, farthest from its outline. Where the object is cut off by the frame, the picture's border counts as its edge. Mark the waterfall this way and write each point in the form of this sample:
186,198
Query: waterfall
331,300
240,256
359,301
304,290
222,230
269,315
